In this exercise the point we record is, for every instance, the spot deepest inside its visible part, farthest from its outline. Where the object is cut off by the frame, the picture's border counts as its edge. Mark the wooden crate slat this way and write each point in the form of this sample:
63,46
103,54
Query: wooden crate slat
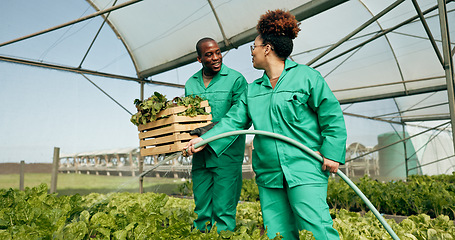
170,134
174,119
175,147
171,129
179,109
170,138
205,103
170,111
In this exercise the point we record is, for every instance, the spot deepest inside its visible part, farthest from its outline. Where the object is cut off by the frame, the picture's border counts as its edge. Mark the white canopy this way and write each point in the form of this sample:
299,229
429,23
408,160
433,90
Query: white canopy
399,61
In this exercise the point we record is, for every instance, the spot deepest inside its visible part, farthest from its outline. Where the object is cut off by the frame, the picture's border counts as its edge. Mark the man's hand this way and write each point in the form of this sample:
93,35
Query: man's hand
329,165
190,146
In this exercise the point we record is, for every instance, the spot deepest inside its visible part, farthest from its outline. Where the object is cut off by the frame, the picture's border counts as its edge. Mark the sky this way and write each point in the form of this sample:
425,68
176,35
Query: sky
41,108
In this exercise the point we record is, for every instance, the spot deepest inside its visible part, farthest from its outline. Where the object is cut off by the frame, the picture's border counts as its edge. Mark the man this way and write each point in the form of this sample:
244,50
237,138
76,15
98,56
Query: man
217,179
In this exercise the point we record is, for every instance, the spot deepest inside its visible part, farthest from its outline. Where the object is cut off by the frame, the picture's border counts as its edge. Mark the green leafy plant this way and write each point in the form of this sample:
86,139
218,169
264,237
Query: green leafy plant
186,188
148,110
431,195
35,214
250,191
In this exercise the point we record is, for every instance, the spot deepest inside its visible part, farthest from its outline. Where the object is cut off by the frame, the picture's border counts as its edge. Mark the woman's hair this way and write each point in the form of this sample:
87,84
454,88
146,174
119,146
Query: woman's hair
278,28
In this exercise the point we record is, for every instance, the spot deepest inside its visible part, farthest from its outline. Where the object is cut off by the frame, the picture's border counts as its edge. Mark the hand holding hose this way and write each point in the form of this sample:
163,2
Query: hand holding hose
328,164
190,150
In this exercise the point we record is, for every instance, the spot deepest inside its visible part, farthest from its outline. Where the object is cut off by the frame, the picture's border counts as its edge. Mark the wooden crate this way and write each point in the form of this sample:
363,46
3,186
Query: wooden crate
170,134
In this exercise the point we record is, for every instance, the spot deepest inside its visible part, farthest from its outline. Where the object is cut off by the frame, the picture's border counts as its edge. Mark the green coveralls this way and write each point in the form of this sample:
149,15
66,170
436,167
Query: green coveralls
217,179
292,185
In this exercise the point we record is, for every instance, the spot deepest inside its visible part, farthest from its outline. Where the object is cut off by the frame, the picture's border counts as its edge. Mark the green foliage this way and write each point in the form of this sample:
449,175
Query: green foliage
186,188
431,195
352,225
250,191
35,214
192,102
148,110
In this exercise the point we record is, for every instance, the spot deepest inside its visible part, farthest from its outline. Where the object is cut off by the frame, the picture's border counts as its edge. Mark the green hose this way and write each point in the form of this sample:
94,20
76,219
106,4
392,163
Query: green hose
315,155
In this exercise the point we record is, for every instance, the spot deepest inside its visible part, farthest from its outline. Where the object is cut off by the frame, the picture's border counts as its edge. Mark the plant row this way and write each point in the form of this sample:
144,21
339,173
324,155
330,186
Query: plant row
34,214
431,195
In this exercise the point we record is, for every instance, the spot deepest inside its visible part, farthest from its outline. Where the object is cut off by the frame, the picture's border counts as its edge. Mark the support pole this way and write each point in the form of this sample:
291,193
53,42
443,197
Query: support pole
140,159
21,181
226,40
141,169
405,151
55,170
142,91
448,64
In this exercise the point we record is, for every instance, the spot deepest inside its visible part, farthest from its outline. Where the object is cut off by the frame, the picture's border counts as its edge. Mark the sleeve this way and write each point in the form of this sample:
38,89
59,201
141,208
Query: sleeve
186,87
331,120
236,119
239,87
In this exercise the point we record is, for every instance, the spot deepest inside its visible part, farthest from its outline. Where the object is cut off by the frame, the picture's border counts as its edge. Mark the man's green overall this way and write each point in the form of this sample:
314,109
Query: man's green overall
217,179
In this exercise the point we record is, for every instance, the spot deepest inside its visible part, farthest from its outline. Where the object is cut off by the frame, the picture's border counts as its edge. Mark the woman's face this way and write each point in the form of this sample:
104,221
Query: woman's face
257,53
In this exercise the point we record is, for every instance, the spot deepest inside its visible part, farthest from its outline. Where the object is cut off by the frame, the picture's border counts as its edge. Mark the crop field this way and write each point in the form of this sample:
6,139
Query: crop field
35,214
69,184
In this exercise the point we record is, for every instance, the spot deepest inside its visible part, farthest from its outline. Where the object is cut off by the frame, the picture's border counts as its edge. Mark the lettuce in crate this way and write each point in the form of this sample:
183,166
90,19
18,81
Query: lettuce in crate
148,109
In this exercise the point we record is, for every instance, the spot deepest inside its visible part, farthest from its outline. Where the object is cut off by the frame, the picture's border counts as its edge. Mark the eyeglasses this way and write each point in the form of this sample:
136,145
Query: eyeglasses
252,47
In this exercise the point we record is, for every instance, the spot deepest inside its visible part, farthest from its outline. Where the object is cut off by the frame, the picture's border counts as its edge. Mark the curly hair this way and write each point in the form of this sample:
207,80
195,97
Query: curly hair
278,23
278,28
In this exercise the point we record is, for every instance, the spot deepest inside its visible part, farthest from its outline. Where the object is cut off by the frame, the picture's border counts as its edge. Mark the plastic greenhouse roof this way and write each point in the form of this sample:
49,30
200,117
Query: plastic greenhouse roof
377,56
400,66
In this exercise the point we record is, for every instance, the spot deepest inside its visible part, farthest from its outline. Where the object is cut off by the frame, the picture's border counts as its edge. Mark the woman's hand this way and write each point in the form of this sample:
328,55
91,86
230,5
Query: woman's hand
190,146
329,165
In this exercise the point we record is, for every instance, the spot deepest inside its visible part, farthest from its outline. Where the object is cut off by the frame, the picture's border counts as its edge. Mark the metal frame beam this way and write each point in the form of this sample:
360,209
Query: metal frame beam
387,84
401,140
71,22
413,109
394,94
301,13
85,71
448,64
363,26
376,36
225,39
428,31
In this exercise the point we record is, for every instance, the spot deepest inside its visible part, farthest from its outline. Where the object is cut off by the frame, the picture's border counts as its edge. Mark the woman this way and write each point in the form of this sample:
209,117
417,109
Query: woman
292,100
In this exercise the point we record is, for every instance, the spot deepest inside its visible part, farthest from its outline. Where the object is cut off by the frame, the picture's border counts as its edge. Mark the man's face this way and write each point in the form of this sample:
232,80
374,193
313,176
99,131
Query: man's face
210,58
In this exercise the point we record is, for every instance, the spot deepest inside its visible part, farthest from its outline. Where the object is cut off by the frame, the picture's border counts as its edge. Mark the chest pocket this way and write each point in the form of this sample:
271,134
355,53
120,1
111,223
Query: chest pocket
220,103
293,106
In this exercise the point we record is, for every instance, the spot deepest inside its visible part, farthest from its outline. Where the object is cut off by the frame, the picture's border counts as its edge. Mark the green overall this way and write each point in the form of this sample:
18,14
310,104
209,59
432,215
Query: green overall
217,179
292,185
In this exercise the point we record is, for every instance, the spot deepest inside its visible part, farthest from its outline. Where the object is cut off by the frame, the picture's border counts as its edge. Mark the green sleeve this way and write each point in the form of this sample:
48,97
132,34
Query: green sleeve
239,87
331,121
236,119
